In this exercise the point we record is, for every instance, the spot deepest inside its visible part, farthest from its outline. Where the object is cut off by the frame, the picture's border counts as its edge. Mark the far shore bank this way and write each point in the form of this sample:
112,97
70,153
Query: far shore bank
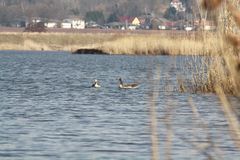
116,42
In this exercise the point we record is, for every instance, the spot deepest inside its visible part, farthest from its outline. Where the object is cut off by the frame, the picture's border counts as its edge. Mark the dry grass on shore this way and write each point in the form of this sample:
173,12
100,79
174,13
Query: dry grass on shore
49,41
162,44
114,43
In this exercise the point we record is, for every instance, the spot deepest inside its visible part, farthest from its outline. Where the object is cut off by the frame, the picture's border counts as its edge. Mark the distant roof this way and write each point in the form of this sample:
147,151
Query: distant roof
125,19
115,24
163,19
69,20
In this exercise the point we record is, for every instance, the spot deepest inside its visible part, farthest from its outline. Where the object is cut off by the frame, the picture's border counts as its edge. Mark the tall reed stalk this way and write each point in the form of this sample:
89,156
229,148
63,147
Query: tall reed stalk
223,75
223,70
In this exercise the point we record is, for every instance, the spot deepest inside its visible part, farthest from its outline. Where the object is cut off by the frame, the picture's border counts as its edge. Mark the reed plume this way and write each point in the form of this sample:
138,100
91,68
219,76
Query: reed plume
235,13
233,39
211,4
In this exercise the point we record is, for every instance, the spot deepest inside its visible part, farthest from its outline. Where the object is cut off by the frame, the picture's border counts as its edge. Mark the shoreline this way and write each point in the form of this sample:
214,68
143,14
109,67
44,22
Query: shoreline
115,42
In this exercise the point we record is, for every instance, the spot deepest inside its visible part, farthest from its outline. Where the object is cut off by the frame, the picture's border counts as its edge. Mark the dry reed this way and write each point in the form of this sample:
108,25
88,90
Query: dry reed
153,123
157,44
223,73
223,70
113,43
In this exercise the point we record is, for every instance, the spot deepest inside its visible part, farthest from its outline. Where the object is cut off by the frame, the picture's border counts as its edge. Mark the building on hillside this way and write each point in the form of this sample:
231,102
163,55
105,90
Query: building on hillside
78,24
36,20
144,22
73,23
92,25
135,21
66,24
177,4
51,24
115,25
131,23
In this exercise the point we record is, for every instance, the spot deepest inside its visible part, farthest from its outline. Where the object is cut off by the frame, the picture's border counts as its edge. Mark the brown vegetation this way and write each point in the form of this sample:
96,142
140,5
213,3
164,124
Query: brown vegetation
223,74
212,4
136,43
222,71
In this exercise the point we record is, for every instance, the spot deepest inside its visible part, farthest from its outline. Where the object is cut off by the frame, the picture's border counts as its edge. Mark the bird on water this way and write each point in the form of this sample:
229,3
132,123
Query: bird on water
96,84
127,85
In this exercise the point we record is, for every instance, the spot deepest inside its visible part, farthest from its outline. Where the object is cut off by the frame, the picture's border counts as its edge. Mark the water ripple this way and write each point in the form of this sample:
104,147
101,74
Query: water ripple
49,111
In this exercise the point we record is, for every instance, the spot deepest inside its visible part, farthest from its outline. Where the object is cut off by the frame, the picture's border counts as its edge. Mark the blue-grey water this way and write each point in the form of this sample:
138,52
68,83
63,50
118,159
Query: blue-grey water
49,111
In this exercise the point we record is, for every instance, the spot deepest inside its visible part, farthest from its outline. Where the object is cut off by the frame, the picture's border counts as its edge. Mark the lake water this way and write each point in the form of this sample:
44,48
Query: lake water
49,111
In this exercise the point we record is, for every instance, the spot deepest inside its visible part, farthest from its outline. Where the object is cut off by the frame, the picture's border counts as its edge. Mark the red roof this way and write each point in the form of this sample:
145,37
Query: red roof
124,19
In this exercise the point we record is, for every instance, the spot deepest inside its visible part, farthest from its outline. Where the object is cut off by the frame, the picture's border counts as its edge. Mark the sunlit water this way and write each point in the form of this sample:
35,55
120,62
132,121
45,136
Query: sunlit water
49,111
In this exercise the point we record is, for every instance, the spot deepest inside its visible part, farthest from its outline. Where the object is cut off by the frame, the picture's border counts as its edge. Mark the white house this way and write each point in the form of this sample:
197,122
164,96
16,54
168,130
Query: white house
66,25
177,4
78,24
51,24
73,23
36,20
132,27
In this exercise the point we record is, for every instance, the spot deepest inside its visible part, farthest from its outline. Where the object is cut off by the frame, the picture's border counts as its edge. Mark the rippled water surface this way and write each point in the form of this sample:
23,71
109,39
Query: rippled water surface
49,111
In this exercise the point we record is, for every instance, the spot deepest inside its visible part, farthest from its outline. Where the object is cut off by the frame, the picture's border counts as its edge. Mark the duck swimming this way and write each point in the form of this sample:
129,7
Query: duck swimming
127,86
95,84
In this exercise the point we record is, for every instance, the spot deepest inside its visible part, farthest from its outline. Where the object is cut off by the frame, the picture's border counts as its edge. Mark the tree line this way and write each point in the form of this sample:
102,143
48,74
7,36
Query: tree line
100,10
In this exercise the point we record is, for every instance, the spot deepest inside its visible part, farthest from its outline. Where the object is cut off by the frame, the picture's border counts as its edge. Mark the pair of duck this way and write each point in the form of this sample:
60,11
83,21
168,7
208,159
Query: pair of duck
121,84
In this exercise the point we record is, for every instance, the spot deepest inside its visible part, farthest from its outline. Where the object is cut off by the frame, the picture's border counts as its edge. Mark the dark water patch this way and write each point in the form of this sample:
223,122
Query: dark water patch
90,51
